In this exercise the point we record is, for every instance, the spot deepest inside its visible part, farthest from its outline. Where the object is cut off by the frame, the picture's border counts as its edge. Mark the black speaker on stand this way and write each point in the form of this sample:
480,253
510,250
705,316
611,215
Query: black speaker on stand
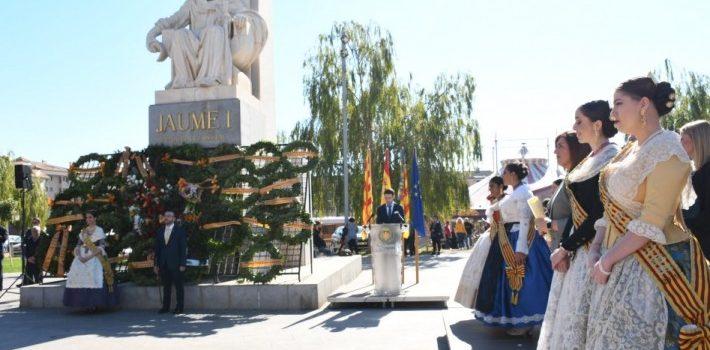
23,182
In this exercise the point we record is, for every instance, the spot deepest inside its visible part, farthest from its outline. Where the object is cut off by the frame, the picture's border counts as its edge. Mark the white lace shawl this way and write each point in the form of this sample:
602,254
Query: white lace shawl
626,175
594,164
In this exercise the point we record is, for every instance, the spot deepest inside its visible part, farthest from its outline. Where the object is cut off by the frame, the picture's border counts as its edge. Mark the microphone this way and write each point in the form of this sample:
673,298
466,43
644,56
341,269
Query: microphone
400,216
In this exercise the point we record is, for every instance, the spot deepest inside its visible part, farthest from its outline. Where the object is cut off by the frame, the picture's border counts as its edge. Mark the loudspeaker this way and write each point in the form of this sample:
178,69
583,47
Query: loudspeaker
23,176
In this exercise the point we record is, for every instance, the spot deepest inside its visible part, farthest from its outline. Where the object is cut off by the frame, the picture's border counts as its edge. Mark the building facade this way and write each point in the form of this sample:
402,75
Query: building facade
53,178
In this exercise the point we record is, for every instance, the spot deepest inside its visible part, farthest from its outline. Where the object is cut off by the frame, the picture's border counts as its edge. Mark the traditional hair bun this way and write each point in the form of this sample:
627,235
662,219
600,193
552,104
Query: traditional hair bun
519,168
599,110
664,98
661,94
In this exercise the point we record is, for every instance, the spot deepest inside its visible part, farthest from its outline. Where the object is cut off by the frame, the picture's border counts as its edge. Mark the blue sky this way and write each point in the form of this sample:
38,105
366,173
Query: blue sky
77,78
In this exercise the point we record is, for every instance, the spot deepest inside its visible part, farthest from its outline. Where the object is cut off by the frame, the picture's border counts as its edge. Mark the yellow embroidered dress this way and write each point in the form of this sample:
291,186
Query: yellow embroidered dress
646,181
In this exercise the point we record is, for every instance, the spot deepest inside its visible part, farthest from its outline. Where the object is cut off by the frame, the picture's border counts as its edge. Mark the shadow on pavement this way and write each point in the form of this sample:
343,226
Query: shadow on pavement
481,337
345,318
49,325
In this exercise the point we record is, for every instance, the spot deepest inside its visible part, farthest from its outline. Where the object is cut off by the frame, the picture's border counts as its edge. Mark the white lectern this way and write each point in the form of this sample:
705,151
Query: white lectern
386,246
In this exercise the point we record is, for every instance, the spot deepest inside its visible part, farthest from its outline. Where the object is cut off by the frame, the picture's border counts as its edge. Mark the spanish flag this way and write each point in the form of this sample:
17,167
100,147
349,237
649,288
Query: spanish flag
367,200
386,182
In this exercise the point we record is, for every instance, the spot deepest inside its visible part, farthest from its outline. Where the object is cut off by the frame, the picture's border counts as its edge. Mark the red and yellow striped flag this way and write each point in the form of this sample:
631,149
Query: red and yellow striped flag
367,200
386,182
404,198
404,193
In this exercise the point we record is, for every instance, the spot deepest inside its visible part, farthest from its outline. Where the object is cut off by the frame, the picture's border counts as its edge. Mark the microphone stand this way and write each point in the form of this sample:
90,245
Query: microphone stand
404,245
22,239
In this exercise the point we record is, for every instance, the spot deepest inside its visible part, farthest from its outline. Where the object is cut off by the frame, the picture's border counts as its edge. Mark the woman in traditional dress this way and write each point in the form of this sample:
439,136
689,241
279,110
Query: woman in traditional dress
471,276
565,322
516,276
651,289
90,282
569,152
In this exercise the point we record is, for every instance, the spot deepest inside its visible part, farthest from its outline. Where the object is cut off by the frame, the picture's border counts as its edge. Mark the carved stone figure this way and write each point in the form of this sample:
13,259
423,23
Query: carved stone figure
209,42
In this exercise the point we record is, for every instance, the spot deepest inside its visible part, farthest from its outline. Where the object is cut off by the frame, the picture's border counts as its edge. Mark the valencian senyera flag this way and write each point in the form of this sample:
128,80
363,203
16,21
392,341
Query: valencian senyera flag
386,182
404,196
367,198
417,203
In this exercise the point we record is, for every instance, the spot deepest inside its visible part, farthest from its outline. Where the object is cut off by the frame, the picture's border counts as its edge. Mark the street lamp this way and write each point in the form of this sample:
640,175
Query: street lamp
344,108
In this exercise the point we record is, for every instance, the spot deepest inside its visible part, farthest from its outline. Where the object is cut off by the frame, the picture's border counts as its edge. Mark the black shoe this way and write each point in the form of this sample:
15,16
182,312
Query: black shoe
163,311
178,311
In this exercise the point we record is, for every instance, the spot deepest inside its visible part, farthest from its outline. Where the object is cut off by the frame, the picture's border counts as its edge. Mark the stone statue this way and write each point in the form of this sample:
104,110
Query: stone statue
224,37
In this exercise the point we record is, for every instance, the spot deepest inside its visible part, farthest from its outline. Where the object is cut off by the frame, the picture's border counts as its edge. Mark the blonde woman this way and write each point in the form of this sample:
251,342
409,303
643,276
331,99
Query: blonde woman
695,138
460,230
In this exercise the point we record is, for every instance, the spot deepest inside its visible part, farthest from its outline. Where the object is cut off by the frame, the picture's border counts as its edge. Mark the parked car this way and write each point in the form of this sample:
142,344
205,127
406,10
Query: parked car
362,238
15,242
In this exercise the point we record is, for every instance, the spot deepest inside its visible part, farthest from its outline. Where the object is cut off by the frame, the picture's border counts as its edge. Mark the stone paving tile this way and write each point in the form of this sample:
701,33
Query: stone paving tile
344,328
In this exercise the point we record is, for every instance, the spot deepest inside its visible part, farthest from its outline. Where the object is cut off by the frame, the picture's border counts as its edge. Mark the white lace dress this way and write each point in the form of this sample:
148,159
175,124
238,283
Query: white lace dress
565,324
89,274
85,287
471,276
629,311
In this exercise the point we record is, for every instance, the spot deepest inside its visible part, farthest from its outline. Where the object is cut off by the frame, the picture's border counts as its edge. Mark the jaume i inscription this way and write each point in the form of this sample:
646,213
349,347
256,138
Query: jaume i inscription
209,123
207,120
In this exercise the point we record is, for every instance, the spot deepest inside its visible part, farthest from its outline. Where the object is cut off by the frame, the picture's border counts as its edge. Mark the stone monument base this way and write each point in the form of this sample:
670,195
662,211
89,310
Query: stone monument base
284,293
241,90
209,116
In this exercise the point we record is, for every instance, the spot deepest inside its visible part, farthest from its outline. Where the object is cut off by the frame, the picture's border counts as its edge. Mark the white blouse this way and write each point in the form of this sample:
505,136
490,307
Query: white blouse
515,208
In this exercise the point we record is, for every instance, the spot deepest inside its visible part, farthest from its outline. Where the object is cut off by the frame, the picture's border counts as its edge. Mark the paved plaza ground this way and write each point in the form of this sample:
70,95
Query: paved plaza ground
418,327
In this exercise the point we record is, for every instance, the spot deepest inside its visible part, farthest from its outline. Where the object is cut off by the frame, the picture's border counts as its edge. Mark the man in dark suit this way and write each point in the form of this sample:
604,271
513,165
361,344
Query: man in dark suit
170,261
390,212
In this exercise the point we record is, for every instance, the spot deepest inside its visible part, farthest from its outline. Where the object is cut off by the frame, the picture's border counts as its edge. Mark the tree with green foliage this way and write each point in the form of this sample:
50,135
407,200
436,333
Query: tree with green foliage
384,113
693,95
7,191
36,202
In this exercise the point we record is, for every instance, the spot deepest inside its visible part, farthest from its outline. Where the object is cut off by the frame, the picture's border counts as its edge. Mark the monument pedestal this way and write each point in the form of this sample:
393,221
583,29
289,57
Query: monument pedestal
241,90
209,116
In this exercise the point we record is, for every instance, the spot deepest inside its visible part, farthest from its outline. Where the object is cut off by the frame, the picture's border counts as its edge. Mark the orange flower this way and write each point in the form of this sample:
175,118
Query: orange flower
202,162
182,183
166,157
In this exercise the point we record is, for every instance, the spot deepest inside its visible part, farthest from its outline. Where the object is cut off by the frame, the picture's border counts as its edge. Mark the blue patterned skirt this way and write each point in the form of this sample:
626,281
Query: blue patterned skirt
493,305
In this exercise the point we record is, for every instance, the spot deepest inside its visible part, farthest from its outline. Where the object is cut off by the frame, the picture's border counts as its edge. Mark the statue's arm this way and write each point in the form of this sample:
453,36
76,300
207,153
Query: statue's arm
179,19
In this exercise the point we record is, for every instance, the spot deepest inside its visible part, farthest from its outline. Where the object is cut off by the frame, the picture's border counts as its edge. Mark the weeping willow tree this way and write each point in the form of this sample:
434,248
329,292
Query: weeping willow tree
693,95
384,113
7,191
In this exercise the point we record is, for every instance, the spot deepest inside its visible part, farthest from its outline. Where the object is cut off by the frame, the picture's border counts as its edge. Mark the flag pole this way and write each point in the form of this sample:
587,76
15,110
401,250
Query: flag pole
404,249
416,256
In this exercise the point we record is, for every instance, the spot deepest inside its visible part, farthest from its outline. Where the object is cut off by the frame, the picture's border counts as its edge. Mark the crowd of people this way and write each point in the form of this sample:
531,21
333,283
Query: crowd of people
619,259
